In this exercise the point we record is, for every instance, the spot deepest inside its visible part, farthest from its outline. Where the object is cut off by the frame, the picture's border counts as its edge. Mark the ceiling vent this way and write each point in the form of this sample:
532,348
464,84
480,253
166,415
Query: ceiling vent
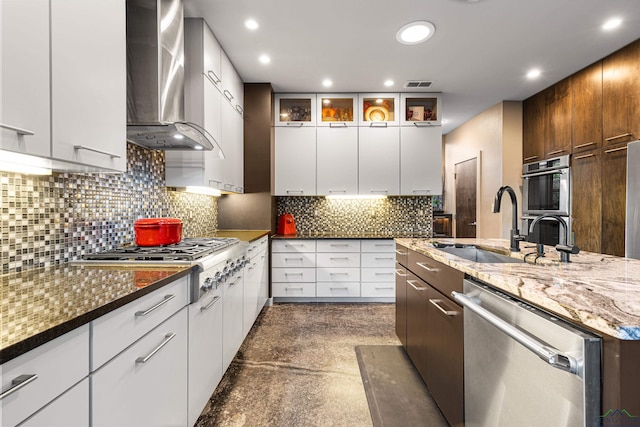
418,84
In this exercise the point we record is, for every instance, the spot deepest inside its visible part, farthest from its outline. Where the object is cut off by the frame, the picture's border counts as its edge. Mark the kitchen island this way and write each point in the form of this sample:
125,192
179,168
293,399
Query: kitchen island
600,293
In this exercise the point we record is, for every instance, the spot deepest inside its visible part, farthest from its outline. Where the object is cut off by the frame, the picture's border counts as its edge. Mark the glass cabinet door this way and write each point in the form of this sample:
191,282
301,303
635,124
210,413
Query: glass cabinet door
379,109
337,110
295,109
421,109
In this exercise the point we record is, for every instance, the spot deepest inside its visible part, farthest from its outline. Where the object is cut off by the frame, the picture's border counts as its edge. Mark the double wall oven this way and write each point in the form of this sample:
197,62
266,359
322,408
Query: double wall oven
546,189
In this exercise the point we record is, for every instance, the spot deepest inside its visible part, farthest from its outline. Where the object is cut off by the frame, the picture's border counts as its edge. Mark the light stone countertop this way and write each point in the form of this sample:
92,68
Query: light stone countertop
599,291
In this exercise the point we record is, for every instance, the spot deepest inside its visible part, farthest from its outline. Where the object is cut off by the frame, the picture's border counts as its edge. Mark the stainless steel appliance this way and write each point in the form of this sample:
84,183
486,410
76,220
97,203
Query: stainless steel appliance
546,189
525,367
632,230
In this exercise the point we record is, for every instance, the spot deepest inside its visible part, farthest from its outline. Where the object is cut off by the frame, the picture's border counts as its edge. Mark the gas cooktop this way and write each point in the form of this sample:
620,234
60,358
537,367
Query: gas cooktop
189,249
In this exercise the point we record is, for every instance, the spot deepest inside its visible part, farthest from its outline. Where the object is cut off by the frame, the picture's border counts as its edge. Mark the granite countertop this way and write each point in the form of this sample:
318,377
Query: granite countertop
601,292
42,304
334,235
244,235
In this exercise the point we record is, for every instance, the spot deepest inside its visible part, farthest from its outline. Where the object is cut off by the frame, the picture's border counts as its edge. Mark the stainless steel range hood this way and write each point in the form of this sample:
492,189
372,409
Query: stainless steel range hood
155,79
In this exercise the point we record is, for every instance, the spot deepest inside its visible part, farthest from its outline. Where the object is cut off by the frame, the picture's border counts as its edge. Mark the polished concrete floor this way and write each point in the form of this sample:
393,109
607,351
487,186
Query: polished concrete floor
298,367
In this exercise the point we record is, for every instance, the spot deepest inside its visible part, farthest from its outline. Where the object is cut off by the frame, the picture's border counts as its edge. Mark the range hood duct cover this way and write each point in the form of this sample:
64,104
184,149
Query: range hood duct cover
155,79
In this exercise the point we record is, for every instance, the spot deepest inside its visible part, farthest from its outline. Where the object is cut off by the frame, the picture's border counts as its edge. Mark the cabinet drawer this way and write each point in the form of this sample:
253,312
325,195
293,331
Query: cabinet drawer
301,259
115,331
440,276
57,365
402,254
337,259
293,245
69,410
377,245
382,289
377,274
338,274
294,290
258,246
378,260
339,245
291,275
347,289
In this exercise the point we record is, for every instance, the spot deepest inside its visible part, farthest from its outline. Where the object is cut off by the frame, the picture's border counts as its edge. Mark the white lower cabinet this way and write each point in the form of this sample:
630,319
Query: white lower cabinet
232,317
145,385
338,289
254,286
71,409
42,374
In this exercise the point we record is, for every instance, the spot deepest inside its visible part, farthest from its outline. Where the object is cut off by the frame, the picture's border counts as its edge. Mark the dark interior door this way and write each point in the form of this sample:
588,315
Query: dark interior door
465,183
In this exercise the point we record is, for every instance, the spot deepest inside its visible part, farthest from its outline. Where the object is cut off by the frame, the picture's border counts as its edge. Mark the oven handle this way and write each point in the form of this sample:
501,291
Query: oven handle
525,217
549,172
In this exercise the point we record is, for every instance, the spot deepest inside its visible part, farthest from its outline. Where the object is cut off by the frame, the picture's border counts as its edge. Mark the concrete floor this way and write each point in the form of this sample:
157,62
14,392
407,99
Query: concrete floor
298,367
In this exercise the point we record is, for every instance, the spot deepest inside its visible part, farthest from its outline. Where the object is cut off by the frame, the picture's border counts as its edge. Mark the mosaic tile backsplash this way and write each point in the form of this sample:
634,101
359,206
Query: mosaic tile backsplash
49,220
390,216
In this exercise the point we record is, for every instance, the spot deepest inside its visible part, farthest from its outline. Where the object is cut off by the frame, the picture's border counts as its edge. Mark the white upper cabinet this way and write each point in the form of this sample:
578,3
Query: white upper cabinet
379,161
337,160
25,116
88,75
295,110
212,52
337,110
295,161
379,109
421,161
421,109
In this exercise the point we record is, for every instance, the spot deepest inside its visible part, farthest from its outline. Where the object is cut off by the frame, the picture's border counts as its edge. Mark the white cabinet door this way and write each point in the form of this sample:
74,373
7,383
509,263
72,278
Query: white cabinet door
295,161
338,245
337,160
212,60
379,160
69,410
294,290
205,352
421,160
88,74
250,300
379,109
295,109
263,290
24,88
337,259
293,245
338,289
145,385
232,317
297,260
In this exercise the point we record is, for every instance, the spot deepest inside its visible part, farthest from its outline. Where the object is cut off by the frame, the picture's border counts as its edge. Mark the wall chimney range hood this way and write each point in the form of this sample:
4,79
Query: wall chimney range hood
155,79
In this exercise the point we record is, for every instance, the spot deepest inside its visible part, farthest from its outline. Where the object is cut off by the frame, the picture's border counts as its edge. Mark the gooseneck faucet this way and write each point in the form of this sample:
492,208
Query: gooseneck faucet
515,236
564,249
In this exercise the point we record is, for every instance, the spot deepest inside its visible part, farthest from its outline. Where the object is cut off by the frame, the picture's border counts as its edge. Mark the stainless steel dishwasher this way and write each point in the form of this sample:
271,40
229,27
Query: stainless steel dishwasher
525,367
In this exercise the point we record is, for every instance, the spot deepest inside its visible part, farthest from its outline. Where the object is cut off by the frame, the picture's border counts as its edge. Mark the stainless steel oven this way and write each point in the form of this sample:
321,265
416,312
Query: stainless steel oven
547,231
546,187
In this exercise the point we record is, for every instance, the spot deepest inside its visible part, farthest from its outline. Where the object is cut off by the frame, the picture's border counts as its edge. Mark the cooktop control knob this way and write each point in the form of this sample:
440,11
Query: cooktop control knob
218,278
207,285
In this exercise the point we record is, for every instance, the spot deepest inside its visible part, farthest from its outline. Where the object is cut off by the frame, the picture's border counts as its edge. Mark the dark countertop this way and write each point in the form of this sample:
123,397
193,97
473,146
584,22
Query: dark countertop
244,235
42,304
332,235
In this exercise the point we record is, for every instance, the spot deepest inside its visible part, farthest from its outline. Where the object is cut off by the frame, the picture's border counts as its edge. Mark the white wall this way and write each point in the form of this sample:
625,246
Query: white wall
495,137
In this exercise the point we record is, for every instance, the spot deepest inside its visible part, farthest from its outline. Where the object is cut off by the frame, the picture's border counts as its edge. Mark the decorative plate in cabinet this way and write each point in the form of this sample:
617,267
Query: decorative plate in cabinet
378,109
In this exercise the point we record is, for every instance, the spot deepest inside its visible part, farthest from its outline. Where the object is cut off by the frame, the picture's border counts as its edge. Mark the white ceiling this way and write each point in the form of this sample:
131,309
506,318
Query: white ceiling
478,56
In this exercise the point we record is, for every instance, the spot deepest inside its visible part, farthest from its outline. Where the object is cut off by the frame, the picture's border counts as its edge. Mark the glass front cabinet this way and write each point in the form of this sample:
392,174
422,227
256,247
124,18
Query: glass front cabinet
421,109
337,110
295,110
378,109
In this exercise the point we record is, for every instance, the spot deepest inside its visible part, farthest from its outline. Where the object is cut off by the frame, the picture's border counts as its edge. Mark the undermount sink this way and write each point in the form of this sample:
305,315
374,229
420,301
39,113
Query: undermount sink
475,254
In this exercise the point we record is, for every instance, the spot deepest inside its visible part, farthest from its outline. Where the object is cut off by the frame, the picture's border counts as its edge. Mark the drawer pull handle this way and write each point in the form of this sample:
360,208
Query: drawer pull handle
426,267
295,191
250,249
550,153
18,130
384,245
611,138
399,252
530,158
227,94
17,383
341,288
337,191
339,245
208,306
383,258
401,273
294,259
378,125
446,312
166,299
584,157
383,274
613,150
379,191
293,245
421,191
338,274
417,288
343,258
389,288
338,125
214,78
167,338
584,145
293,274
235,281
298,124
95,150
293,289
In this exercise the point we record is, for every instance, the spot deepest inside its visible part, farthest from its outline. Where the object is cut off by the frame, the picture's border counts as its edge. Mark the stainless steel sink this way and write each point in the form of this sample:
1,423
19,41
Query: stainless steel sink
475,254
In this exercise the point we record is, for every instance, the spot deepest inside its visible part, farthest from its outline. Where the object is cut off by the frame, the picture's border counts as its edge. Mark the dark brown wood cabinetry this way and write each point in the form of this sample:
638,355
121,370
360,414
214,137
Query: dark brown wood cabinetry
433,327
587,201
586,108
533,128
557,112
614,196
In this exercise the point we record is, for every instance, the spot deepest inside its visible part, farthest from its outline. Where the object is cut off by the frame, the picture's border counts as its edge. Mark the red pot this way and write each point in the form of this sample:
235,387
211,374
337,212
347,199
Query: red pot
157,231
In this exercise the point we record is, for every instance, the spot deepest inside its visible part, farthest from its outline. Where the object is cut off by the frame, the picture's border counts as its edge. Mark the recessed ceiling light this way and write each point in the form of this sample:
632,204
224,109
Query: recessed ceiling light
327,83
611,24
388,82
251,24
415,32
533,74
264,59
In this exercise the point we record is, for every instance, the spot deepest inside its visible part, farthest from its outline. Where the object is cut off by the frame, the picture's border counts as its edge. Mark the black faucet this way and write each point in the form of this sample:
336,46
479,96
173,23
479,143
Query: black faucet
515,233
564,249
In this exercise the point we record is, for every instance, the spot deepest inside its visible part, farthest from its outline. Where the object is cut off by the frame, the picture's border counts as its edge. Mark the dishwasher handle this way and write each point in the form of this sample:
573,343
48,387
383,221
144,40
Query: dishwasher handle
550,355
